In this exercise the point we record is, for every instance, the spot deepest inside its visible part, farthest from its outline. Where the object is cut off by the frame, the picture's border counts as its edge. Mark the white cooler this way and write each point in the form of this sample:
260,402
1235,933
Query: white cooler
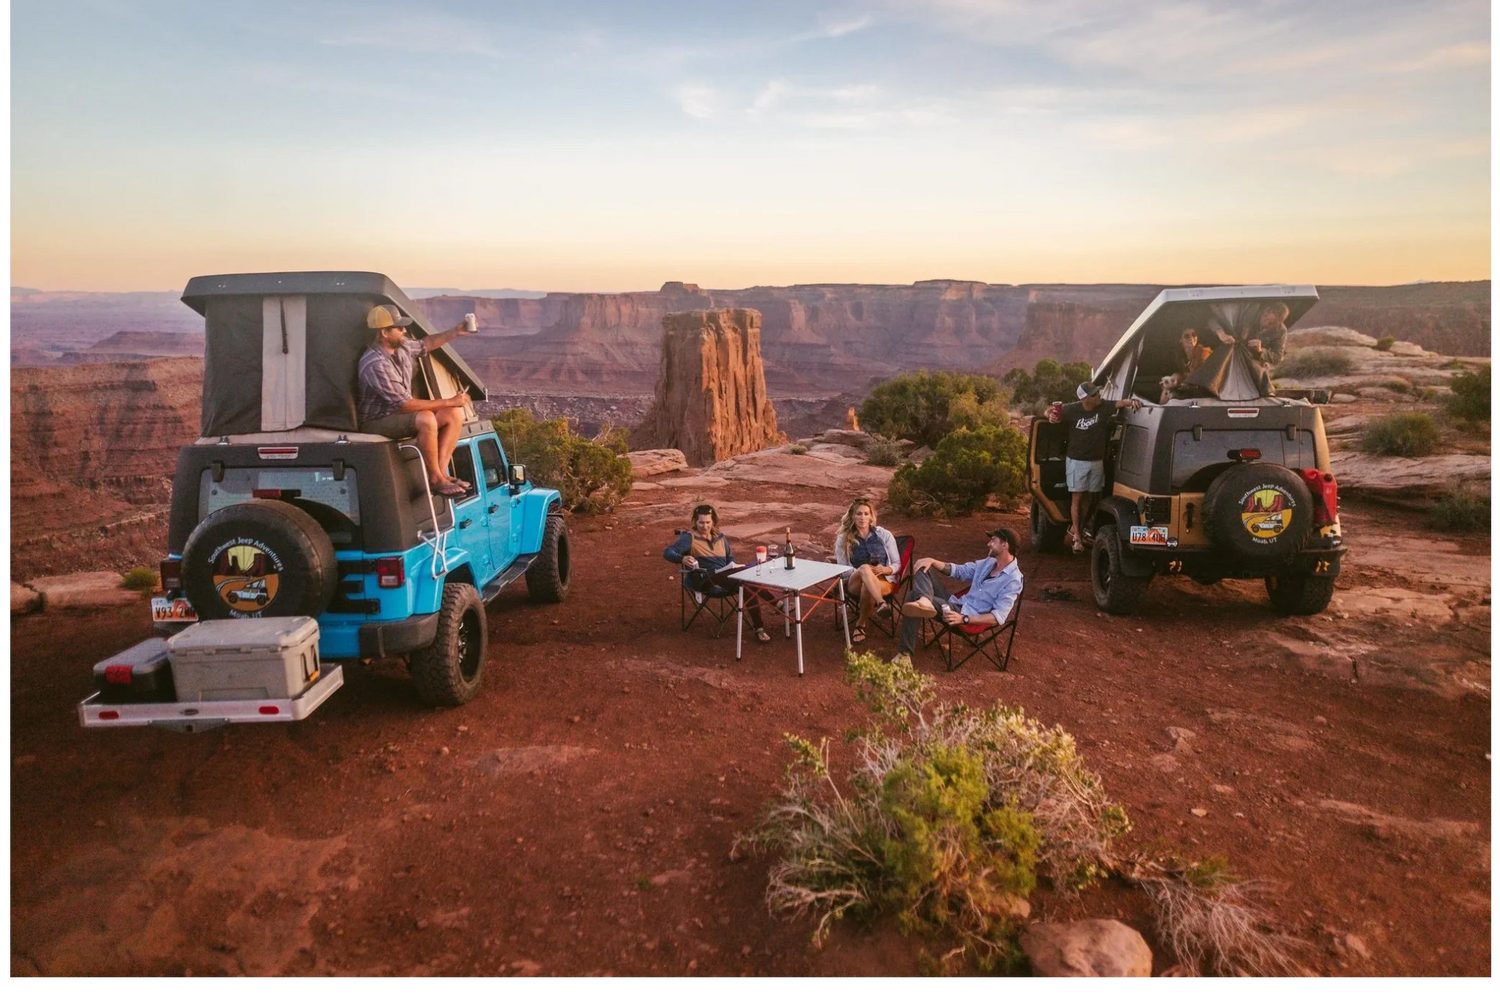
245,659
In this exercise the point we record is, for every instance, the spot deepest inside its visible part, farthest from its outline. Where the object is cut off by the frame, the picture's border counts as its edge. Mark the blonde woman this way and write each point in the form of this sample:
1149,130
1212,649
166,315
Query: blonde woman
870,552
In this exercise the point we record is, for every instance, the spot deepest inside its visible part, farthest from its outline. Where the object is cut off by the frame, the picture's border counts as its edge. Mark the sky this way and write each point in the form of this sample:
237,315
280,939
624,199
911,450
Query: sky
611,147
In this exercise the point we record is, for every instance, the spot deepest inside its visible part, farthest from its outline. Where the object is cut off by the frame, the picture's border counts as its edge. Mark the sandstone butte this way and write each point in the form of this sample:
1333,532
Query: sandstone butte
711,400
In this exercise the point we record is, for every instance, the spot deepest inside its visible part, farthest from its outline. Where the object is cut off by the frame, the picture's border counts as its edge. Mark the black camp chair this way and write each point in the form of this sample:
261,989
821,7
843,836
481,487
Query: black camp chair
958,644
716,602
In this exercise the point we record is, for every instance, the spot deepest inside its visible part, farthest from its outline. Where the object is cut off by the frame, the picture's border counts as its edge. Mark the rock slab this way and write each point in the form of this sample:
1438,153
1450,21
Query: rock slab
82,590
656,461
711,401
23,600
1086,948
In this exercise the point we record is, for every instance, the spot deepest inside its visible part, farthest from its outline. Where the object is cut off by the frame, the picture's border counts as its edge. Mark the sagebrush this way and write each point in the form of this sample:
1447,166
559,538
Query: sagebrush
966,469
1315,362
139,578
1032,392
1465,512
883,451
1470,402
592,474
1408,435
926,406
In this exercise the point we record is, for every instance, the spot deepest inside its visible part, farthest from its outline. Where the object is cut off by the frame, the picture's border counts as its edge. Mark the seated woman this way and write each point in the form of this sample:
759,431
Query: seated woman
1194,354
871,552
704,552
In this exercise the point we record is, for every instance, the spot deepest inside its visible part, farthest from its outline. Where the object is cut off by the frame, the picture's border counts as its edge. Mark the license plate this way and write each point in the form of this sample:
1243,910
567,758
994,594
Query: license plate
1149,534
172,609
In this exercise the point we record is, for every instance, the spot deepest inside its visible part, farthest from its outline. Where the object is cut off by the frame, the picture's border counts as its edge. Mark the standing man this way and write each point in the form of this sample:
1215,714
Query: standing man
994,584
385,403
1088,442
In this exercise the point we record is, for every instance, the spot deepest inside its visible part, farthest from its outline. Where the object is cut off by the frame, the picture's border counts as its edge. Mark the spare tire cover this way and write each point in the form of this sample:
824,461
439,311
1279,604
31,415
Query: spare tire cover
1258,511
261,558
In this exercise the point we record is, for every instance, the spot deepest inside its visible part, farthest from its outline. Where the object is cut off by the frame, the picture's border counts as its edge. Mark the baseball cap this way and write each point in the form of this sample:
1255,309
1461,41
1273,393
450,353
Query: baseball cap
1087,389
1010,537
381,317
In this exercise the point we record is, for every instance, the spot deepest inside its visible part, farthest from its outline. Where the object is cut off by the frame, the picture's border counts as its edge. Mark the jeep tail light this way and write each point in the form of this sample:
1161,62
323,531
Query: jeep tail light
119,673
1245,455
390,571
1325,493
276,494
171,575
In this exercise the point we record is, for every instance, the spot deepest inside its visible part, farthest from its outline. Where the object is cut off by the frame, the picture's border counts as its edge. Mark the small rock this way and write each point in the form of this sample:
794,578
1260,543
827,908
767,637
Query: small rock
1086,948
1200,812
1223,789
23,600
1356,944
526,967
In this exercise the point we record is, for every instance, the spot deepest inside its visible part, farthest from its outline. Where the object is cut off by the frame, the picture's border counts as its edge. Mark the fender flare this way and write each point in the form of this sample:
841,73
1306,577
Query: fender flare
1123,514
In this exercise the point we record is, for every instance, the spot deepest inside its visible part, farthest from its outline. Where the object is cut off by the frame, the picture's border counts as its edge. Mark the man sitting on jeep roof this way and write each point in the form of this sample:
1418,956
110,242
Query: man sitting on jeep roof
385,403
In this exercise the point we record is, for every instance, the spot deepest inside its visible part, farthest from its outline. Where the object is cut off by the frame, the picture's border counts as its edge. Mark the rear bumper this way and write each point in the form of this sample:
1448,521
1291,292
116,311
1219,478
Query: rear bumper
1210,564
382,639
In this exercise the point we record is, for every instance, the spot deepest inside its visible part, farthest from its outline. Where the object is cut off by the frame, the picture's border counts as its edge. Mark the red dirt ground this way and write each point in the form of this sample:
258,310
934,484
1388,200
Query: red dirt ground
576,818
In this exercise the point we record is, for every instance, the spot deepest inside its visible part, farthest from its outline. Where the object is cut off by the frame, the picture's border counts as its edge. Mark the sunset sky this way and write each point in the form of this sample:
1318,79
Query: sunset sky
607,147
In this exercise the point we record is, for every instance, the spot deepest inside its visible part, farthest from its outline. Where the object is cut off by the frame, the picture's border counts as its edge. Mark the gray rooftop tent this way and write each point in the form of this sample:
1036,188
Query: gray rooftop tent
1149,349
283,349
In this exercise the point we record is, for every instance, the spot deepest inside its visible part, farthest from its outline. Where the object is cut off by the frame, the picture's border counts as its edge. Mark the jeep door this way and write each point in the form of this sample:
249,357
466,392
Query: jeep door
1048,478
498,502
471,516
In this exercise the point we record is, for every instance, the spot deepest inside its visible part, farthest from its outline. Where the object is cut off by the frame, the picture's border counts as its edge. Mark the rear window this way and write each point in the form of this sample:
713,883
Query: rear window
333,502
1190,457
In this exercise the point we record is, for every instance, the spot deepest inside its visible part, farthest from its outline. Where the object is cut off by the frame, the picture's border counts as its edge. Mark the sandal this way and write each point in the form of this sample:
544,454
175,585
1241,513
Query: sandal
1078,548
761,635
448,489
858,635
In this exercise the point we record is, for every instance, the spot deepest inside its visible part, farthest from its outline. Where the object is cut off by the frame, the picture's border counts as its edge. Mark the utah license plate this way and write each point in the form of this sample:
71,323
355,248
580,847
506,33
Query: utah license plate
172,609
1149,534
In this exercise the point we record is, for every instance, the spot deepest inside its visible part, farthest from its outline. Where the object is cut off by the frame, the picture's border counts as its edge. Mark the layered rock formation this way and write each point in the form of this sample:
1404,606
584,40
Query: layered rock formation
711,400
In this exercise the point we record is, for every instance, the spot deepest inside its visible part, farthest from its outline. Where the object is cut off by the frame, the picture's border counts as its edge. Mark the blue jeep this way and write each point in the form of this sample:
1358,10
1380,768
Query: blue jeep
283,508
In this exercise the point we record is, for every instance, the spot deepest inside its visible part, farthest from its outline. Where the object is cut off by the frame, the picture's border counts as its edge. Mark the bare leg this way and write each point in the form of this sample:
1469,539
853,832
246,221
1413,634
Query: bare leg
427,444
450,423
1078,513
869,593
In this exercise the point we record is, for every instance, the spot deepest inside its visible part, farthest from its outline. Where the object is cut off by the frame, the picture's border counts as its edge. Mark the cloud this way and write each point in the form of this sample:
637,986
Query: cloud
424,31
696,100
1448,57
837,27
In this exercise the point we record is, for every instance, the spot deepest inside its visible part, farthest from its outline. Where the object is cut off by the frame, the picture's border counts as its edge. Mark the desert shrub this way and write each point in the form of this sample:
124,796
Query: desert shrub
139,578
967,467
927,406
1395,383
1463,511
1470,402
1409,435
883,451
1315,362
592,474
1048,380
798,449
946,819
1385,343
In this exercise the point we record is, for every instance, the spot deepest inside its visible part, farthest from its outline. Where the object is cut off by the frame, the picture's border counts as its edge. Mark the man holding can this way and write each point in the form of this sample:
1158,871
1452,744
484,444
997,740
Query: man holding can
385,404
1088,441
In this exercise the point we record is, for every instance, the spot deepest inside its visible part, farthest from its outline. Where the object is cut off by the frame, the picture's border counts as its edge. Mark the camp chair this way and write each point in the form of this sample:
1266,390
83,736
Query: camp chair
718,603
972,640
906,545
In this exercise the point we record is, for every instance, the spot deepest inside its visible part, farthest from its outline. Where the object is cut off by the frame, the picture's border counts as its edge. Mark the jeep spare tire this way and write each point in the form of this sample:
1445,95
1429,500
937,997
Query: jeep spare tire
1258,511
259,559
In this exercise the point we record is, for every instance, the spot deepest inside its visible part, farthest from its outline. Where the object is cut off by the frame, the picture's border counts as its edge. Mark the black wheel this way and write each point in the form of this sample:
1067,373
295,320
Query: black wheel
547,577
1257,511
1045,536
449,671
1299,595
267,546
1114,592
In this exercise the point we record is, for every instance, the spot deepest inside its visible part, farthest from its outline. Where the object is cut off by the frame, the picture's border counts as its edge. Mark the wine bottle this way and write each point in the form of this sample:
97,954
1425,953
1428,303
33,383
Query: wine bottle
791,556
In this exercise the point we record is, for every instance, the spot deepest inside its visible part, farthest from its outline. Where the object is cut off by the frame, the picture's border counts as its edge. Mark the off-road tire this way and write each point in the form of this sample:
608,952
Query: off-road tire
1045,536
1114,592
449,671
1227,497
1299,595
547,576
308,573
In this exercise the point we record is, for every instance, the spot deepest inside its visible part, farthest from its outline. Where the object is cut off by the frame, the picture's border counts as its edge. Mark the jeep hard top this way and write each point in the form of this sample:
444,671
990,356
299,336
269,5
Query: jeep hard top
1213,479
282,508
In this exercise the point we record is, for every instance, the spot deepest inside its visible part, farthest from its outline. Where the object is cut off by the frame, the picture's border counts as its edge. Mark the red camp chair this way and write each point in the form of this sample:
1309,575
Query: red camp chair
972,640
906,545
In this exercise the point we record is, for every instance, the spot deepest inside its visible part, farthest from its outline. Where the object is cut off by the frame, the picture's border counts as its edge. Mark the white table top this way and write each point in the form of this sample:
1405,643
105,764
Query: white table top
773,573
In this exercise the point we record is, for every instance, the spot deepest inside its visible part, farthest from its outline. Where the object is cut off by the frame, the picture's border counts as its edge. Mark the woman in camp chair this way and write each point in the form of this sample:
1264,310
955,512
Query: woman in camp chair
704,552
873,556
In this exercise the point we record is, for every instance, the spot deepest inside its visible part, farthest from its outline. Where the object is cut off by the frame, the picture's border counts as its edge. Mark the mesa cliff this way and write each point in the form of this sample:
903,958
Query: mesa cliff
711,401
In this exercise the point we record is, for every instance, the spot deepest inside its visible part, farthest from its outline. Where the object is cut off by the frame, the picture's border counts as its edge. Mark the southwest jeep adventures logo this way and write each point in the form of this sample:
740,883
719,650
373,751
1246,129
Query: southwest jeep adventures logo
1266,511
246,576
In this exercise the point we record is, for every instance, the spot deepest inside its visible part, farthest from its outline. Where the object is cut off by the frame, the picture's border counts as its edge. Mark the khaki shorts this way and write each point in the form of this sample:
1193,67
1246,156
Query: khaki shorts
392,425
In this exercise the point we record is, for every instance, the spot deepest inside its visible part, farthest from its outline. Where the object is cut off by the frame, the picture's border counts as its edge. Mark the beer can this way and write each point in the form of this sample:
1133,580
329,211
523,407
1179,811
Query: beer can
471,322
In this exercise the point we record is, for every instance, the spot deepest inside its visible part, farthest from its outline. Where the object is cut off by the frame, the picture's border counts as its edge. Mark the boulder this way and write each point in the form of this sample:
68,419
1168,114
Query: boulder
854,439
655,462
82,590
1086,948
1327,336
23,600
1408,481
711,400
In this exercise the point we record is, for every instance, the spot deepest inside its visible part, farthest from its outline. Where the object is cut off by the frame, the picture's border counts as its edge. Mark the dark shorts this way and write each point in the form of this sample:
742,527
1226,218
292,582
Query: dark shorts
394,425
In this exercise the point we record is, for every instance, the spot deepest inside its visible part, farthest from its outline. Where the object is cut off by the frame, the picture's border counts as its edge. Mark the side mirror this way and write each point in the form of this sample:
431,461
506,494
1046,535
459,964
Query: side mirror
517,478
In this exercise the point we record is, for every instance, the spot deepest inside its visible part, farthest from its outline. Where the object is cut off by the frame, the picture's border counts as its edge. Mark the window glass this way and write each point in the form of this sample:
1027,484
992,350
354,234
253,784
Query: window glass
489,459
463,468
333,502
1189,456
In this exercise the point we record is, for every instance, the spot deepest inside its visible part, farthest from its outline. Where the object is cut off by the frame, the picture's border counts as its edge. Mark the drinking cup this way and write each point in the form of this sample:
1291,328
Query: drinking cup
471,322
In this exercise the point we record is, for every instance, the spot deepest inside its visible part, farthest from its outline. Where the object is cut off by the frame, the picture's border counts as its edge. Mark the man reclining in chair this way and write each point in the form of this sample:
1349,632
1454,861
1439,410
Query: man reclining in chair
994,584
385,403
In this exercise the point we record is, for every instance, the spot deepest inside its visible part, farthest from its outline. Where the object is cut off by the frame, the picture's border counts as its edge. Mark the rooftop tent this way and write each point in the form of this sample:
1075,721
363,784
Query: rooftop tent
283,348
1149,349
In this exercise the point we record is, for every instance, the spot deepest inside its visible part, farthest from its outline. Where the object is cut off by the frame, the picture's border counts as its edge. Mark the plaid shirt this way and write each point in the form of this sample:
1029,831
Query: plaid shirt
385,379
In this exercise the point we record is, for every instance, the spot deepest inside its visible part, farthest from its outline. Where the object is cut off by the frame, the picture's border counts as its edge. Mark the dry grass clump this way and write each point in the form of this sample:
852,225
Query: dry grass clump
1409,435
883,451
1315,362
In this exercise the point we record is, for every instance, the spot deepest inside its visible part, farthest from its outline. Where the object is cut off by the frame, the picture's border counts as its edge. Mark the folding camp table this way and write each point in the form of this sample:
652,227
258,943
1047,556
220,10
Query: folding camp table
818,580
